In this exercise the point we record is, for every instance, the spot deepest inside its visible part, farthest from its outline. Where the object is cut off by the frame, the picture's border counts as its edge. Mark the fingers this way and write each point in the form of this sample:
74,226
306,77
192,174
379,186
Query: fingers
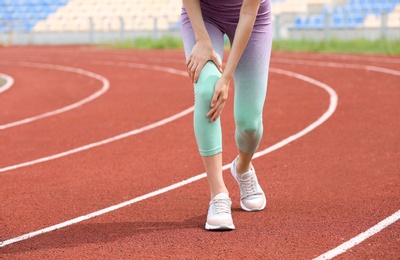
194,69
217,105
191,67
197,59
197,73
214,101
215,113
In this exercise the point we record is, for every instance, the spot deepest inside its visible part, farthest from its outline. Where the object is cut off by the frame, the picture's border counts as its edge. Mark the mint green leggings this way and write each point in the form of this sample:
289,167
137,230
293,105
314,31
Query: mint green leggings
250,84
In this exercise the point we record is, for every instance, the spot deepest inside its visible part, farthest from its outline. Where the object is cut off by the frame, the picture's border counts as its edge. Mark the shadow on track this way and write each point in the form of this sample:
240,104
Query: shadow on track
98,233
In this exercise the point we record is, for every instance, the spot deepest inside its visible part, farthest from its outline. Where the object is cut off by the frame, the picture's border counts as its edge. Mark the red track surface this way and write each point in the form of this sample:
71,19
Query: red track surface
323,189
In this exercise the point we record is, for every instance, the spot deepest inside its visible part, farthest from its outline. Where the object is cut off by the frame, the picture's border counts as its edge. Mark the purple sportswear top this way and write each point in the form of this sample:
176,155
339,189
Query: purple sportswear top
225,14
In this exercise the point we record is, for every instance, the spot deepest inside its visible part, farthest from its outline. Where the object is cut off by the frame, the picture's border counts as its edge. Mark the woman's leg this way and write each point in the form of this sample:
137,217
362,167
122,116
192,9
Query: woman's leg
208,134
251,79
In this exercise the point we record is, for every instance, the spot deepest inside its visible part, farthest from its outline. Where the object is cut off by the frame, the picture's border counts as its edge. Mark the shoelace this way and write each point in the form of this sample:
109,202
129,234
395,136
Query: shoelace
249,187
222,206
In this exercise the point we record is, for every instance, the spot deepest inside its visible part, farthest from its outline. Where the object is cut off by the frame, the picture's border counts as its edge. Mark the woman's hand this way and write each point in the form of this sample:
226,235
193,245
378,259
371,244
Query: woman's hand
219,99
201,53
248,14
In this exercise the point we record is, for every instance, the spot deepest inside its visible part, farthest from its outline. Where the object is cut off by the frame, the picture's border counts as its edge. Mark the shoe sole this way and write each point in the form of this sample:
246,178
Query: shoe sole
221,227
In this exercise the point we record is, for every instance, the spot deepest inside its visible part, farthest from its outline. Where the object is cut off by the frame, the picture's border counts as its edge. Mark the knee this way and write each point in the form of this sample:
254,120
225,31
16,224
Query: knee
204,88
204,92
248,126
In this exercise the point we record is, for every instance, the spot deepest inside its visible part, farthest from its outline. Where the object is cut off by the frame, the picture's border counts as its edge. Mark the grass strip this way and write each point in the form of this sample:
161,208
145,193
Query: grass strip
148,43
357,46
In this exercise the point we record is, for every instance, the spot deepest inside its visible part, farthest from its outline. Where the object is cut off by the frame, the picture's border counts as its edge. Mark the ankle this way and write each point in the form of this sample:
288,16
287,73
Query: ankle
216,192
242,168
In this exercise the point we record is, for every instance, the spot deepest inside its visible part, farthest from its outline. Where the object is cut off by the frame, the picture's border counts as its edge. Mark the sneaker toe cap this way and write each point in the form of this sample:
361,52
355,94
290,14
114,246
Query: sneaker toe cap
255,202
220,221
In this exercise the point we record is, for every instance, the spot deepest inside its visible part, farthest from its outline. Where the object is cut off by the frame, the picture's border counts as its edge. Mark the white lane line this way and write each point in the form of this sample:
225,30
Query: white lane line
332,106
118,137
360,238
360,58
99,143
331,109
9,82
389,220
339,65
346,58
104,88
140,66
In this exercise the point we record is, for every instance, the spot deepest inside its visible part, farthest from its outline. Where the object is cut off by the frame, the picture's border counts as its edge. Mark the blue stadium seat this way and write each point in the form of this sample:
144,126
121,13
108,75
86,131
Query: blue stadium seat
351,15
22,15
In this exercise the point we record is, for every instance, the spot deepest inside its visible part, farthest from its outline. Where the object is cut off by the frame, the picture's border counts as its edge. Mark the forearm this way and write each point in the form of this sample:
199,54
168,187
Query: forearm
193,10
243,32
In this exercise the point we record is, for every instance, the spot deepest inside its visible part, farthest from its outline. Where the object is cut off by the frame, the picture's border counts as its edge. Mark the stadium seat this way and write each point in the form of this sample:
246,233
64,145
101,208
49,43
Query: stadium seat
352,14
106,15
23,15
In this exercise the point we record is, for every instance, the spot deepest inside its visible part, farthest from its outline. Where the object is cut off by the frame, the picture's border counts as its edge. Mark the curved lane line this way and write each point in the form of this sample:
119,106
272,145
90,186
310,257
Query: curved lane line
322,119
331,109
387,221
104,88
9,82
359,58
118,137
339,65
140,66
99,143
360,238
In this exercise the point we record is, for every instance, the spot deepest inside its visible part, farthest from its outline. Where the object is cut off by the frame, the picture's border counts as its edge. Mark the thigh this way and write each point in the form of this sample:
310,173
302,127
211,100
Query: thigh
251,74
189,40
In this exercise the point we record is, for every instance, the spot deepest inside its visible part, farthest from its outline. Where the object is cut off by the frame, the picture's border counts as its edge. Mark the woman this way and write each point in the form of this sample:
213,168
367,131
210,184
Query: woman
247,23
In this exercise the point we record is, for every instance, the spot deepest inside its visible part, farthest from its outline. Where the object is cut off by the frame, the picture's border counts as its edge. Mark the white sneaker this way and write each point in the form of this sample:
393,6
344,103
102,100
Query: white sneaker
252,197
219,215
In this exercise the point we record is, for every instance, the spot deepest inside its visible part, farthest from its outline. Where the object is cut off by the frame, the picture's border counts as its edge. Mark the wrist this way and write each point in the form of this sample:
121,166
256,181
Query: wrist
226,78
204,38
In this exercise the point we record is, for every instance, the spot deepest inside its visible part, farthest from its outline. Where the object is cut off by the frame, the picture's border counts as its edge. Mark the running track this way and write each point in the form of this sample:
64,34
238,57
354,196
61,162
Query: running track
98,159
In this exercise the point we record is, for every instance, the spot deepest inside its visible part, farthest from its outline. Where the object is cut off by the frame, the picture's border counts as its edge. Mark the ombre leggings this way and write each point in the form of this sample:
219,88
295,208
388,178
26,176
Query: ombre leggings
250,77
